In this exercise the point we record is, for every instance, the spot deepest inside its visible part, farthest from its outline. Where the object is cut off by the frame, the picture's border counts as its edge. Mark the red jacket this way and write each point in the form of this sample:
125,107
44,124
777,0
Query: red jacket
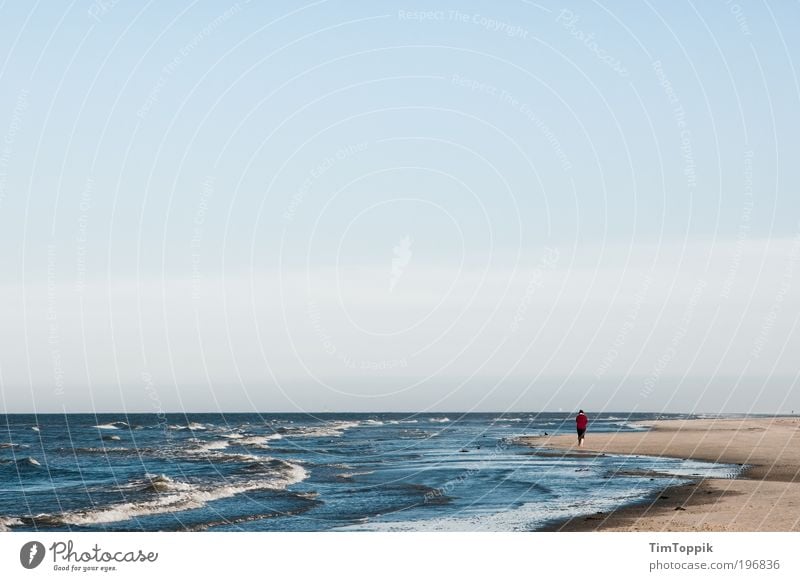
582,421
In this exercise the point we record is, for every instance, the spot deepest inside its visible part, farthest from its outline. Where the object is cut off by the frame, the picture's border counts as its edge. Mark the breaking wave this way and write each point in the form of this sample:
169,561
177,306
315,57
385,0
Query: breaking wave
6,522
332,429
111,426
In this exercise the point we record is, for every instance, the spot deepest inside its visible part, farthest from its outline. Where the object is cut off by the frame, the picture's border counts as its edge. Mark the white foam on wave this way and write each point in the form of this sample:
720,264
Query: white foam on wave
387,422
215,455
258,441
106,450
111,426
211,446
631,425
6,522
163,483
440,420
175,496
35,428
348,475
193,426
154,483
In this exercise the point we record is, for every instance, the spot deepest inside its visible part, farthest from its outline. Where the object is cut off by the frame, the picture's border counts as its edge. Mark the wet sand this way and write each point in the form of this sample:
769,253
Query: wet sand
765,497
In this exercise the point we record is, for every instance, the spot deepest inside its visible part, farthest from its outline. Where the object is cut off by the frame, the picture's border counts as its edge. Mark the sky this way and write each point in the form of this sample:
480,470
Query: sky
425,206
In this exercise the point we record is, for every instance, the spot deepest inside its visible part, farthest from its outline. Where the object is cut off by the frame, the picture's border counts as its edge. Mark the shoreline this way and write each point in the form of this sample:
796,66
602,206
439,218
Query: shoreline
764,496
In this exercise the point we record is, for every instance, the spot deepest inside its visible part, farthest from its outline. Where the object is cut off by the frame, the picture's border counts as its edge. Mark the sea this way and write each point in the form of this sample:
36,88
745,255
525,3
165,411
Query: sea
317,472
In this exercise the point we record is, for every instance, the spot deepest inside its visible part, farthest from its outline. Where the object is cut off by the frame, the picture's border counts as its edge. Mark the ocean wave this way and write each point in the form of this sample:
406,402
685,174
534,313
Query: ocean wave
211,446
372,422
162,483
191,426
175,496
305,502
332,430
443,420
34,469
151,483
6,522
111,426
350,475
267,464
35,428
29,461
630,425
215,455
21,466
108,450
258,441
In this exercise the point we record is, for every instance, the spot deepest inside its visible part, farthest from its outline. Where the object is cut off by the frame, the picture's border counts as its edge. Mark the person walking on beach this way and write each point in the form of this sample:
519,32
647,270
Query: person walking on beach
581,421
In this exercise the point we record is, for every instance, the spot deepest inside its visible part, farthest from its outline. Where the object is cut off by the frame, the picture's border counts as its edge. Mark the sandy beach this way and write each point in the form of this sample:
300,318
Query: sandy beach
765,497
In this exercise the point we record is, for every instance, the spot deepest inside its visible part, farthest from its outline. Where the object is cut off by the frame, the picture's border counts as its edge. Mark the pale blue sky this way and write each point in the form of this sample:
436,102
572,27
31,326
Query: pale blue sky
215,196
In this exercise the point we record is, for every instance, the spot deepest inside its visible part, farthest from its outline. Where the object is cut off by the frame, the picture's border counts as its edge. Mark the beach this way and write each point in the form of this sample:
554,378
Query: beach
764,497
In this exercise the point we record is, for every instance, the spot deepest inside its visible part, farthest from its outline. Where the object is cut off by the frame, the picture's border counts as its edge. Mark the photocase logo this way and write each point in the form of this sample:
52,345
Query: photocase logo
31,554
402,256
